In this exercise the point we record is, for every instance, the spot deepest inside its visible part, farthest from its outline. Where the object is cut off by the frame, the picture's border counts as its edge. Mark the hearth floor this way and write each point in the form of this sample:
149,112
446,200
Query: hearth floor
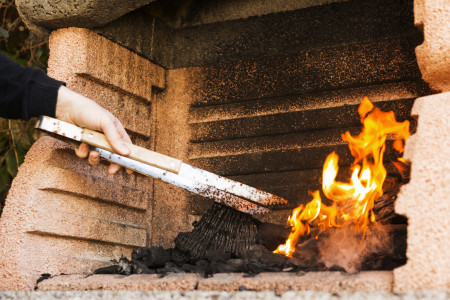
217,295
329,282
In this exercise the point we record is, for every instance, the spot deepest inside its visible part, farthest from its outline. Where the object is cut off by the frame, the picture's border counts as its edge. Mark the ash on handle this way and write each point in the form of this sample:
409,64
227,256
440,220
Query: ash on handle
185,183
140,154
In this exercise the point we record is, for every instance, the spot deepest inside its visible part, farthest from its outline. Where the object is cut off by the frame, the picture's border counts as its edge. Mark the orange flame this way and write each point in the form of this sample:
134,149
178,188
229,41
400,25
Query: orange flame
352,202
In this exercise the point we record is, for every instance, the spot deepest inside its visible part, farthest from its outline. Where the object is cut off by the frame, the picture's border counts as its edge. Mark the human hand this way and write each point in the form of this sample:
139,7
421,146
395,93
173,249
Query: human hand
81,111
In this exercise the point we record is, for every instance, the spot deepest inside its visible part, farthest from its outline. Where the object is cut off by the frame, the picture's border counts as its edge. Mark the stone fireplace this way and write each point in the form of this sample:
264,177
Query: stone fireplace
252,90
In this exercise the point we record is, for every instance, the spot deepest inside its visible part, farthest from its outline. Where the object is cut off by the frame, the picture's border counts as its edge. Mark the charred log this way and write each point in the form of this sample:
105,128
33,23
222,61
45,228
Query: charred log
271,235
220,228
384,206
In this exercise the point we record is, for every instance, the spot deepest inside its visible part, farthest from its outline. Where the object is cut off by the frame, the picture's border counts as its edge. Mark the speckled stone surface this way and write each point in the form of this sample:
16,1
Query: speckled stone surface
331,282
45,15
425,199
433,16
217,295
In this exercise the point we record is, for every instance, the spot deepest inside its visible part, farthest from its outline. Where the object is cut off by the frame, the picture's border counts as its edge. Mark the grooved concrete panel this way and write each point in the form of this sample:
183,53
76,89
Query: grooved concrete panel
425,199
63,215
53,230
83,52
263,120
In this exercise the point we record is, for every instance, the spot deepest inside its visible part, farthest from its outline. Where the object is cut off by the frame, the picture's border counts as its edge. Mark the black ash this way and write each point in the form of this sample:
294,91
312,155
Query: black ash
226,241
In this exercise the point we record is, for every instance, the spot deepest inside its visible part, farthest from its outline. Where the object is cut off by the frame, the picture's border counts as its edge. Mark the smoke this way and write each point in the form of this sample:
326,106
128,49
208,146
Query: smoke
343,248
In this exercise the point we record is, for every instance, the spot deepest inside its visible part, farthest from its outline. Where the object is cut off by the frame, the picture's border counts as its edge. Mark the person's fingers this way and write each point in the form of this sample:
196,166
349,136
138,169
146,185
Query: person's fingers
82,151
122,132
125,137
113,168
114,136
94,158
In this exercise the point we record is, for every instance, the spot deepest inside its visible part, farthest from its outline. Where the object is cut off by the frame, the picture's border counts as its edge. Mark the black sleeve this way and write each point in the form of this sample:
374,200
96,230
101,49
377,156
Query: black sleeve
26,92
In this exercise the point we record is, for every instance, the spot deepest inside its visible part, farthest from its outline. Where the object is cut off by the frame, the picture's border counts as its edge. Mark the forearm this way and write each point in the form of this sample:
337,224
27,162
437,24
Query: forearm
69,102
26,92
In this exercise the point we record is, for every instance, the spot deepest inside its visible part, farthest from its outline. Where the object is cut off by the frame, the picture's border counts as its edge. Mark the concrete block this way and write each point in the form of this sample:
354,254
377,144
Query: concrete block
425,199
170,210
45,229
147,282
51,14
331,282
116,78
432,16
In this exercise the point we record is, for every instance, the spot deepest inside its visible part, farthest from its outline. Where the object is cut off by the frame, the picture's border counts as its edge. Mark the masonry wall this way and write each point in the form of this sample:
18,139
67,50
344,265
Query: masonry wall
63,215
425,200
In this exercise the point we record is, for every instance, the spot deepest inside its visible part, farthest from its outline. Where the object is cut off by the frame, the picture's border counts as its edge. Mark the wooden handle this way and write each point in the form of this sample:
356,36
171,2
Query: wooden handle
143,155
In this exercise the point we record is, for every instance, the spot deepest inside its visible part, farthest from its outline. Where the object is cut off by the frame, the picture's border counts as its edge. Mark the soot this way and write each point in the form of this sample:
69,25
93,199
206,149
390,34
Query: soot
227,241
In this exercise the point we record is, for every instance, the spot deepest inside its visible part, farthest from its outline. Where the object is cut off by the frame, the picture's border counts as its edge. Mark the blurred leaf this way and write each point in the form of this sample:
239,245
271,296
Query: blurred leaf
4,33
25,141
11,163
5,178
21,151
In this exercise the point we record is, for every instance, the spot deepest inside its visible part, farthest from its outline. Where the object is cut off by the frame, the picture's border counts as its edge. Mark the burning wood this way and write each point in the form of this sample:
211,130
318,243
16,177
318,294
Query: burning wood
215,246
352,203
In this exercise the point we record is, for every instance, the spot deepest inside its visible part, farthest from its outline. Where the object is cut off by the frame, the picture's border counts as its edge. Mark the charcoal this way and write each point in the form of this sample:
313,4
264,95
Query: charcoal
254,267
243,288
255,252
153,257
123,267
139,267
217,255
43,277
114,269
273,260
180,257
226,267
308,266
307,251
271,235
170,267
190,268
235,263
202,263
226,240
126,266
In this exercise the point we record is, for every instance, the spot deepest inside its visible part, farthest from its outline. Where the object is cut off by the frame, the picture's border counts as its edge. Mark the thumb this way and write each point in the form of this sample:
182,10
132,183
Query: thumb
114,137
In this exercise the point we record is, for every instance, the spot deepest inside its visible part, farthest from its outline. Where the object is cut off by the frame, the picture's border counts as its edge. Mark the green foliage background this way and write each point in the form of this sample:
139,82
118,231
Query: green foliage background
16,137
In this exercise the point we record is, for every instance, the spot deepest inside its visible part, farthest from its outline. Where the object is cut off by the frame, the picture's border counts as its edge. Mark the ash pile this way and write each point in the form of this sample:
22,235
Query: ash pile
226,241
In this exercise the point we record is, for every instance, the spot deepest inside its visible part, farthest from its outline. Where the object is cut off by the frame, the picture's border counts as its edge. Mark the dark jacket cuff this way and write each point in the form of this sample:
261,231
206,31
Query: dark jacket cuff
43,97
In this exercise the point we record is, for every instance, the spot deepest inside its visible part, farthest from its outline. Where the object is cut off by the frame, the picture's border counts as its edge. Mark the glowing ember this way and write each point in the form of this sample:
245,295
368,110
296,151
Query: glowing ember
352,202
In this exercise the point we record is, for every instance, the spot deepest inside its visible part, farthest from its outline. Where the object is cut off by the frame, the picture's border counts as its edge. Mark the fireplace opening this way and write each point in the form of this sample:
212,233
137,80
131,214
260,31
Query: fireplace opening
271,94
349,226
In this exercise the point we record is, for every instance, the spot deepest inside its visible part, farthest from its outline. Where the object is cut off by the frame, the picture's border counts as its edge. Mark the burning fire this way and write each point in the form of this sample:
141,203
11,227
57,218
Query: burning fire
352,202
